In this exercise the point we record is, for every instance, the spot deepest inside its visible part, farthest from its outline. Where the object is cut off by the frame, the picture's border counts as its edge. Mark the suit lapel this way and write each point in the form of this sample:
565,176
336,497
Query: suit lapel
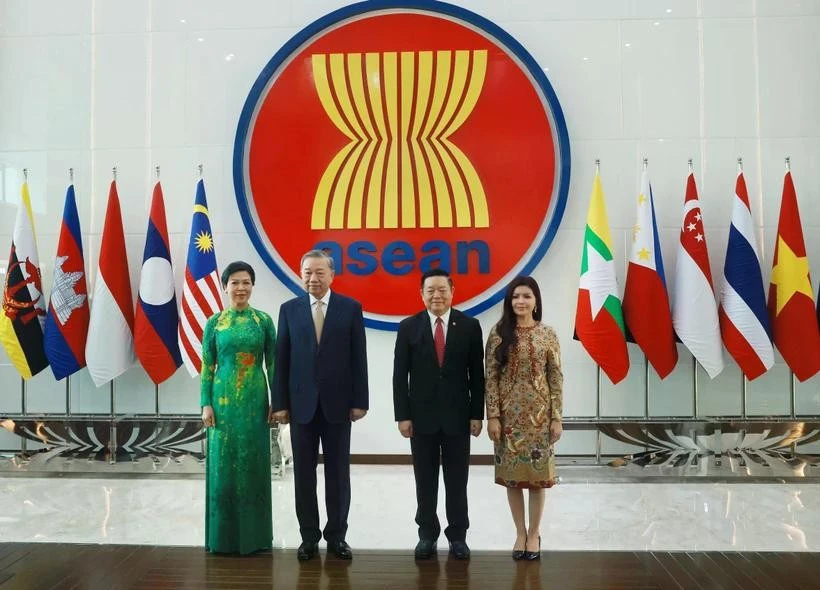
426,336
331,316
453,331
306,317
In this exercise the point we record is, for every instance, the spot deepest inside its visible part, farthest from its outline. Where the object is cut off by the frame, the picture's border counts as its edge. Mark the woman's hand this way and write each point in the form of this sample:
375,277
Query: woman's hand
208,418
555,431
494,429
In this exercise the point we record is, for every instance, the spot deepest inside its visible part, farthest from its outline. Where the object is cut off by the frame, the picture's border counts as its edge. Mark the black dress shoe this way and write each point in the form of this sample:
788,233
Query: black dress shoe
534,555
459,550
307,550
425,549
518,554
340,549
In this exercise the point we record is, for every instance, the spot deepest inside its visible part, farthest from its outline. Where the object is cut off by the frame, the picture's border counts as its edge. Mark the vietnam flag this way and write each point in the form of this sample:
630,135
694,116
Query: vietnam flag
599,321
646,301
791,302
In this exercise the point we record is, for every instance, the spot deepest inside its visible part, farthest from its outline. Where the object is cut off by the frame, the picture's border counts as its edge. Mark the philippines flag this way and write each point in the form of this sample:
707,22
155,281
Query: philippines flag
201,296
694,311
66,328
646,302
109,351
744,321
155,324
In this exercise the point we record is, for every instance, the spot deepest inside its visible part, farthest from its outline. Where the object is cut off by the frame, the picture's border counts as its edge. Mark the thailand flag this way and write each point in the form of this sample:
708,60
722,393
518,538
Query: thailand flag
109,351
744,320
201,296
66,328
155,323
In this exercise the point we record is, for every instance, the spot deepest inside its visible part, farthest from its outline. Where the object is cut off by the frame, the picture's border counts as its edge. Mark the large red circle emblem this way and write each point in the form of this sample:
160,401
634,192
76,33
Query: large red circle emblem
398,139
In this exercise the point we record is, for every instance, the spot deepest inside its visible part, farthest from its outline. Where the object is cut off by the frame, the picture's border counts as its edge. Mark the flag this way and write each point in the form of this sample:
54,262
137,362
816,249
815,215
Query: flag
109,351
694,311
24,306
68,312
791,301
646,302
744,322
599,321
155,324
201,296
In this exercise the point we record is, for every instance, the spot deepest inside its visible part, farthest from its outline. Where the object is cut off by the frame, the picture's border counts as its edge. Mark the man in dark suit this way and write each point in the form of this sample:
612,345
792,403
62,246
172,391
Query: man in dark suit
438,398
320,386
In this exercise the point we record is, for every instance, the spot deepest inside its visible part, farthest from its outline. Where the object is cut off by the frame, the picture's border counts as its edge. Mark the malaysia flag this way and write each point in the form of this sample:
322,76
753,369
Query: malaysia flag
66,328
201,297
155,323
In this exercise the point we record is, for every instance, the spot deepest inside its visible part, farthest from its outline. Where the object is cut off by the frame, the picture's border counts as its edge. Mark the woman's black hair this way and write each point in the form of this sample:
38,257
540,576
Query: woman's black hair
235,267
506,326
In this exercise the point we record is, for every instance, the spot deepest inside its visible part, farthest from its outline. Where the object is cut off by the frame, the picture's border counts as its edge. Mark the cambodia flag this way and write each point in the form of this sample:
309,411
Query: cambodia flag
646,301
156,320
66,328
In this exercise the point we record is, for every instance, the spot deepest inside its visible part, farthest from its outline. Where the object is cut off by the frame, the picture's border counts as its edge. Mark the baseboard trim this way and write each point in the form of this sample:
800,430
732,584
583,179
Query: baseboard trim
385,459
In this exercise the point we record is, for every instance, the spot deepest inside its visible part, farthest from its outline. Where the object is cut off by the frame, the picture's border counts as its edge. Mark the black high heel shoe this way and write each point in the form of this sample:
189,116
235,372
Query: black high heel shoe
518,554
534,555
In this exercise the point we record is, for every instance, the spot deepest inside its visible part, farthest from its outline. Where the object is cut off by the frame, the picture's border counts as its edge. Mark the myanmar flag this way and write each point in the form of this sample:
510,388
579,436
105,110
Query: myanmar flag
599,321
791,302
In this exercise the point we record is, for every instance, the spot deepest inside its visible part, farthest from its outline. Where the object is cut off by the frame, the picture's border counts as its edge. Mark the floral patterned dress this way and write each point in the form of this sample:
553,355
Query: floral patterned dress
238,479
525,395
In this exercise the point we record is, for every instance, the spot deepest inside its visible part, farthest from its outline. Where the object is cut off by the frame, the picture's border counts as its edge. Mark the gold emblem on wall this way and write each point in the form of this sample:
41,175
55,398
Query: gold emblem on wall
400,168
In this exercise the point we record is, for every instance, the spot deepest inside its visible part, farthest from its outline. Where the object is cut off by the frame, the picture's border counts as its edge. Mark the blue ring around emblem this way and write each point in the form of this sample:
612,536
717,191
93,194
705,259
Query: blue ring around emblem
443,8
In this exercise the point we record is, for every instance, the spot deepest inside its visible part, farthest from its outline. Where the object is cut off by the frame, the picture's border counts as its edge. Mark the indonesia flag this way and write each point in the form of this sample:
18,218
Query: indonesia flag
109,351
66,329
155,325
201,297
646,302
744,322
694,311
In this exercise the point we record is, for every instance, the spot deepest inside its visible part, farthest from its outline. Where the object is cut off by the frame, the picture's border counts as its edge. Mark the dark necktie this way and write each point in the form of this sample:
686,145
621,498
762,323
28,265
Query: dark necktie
438,338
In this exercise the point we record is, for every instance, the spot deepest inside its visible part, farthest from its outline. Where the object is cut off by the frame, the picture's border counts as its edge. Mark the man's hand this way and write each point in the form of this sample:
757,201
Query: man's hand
555,431
357,414
475,427
494,429
280,417
208,418
406,428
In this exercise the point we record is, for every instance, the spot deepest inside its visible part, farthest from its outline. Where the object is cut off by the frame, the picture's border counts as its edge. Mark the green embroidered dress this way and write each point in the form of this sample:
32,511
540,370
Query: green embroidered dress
238,478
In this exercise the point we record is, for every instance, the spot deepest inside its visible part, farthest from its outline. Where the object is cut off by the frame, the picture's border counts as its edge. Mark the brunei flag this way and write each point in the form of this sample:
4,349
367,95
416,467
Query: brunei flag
24,306
791,302
599,321
156,320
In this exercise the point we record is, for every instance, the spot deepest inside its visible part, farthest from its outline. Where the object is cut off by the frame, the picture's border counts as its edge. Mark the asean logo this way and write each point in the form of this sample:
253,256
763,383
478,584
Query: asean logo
399,137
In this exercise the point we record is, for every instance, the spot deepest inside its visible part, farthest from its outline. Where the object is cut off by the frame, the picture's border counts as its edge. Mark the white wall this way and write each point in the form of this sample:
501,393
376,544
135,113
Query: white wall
139,83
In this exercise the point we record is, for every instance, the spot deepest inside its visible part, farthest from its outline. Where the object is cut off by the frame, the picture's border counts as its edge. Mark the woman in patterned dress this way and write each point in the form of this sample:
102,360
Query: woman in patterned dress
524,401
236,344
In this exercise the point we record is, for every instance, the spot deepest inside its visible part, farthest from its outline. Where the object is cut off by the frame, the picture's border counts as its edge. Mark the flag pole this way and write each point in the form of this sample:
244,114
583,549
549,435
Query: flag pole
68,379
598,376
645,358
25,174
695,411
23,388
114,173
199,169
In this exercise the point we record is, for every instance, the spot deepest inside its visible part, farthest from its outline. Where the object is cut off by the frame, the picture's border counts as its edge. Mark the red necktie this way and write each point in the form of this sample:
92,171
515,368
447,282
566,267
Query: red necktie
438,338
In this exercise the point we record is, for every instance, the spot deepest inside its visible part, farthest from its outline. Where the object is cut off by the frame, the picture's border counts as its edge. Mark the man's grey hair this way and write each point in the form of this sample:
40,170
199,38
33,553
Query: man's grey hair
318,254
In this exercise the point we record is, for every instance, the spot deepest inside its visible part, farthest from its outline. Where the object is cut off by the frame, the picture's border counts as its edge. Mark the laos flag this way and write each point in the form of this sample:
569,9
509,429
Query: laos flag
156,320
66,327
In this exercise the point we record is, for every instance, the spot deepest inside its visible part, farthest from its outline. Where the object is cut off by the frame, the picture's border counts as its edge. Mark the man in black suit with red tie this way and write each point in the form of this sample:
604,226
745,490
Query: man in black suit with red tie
438,399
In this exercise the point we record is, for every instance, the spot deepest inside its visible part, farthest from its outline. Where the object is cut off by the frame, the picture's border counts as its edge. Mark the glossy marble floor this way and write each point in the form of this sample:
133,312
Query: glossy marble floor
580,515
